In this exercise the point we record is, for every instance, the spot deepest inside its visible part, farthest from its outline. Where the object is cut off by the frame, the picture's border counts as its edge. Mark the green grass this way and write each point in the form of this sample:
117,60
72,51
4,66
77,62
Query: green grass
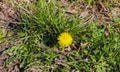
42,23
3,33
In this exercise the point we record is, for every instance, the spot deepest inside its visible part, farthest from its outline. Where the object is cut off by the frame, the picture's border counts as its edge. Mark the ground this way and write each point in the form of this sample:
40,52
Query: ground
8,20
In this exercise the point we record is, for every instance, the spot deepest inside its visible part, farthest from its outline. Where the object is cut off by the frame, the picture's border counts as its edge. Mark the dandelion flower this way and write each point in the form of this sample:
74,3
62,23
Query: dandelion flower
64,39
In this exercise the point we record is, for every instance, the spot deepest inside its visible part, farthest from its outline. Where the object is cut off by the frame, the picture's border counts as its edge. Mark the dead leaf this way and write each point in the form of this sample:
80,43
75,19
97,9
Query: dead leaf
84,14
3,56
74,45
16,69
74,70
72,12
4,47
1,62
107,32
60,62
67,49
83,45
116,12
100,7
34,69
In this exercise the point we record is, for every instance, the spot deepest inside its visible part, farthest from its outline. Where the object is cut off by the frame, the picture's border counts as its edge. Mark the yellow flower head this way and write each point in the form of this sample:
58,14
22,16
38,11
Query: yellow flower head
65,39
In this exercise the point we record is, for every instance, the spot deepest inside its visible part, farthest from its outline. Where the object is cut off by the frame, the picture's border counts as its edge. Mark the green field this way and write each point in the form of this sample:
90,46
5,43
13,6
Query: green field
38,43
